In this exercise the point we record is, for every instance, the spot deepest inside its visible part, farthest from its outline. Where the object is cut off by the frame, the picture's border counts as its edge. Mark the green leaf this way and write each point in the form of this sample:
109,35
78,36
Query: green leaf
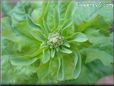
60,69
69,9
94,54
7,31
92,72
36,13
6,7
32,24
44,12
75,59
68,66
67,22
57,14
18,61
46,56
66,50
37,35
91,11
43,45
52,53
77,63
81,37
42,72
24,28
96,38
109,11
66,44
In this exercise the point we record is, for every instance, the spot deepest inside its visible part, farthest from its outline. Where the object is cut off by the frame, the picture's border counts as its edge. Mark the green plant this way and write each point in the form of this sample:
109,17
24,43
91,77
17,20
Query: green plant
56,42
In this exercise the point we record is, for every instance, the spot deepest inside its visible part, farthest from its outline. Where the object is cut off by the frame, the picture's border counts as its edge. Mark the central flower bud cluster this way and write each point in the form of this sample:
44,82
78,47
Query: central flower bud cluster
55,40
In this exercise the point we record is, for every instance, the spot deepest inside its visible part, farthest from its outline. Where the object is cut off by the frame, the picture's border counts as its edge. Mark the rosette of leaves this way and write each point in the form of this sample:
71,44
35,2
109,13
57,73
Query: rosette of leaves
54,41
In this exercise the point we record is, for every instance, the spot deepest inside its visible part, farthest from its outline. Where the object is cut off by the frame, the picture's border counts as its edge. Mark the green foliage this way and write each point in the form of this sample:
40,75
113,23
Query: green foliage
45,42
93,54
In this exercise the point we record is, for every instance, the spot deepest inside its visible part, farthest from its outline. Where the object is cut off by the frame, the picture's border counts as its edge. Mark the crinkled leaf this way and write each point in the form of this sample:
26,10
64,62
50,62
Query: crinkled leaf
92,72
104,57
88,25
91,11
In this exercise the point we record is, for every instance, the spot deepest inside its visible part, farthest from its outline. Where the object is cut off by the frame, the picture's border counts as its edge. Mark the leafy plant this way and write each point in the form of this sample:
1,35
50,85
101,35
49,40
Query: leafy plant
56,42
